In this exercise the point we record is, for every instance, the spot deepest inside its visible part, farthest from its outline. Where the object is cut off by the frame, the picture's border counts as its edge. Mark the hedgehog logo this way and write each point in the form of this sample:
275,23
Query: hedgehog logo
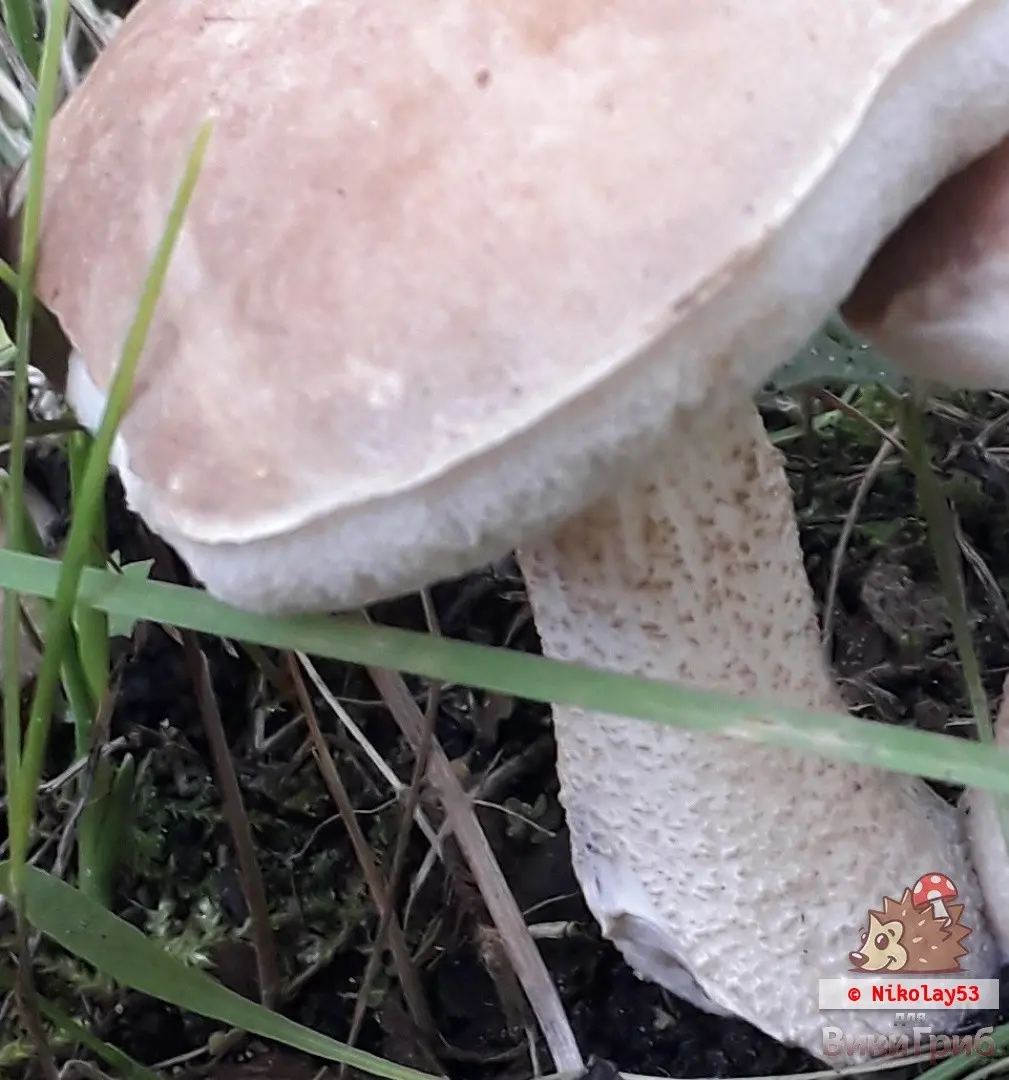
918,932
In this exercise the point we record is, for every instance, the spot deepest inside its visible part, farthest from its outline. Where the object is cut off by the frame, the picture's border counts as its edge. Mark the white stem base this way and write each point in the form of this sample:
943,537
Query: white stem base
750,867
988,843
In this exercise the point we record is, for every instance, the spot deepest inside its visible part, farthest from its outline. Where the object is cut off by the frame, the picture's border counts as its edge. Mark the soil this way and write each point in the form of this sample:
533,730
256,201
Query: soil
893,654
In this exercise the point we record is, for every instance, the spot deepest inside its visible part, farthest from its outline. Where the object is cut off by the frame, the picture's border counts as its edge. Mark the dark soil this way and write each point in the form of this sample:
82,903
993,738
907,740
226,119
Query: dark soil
183,882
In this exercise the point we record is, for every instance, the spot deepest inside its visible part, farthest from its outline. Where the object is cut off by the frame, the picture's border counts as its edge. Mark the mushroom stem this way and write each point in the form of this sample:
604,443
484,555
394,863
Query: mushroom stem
988,843
749,866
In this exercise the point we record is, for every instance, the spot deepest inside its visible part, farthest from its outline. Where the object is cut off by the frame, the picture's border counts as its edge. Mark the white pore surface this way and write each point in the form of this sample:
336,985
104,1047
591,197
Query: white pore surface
752,867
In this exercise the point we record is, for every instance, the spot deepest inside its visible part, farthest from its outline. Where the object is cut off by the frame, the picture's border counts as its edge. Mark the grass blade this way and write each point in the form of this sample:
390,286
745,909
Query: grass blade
122,952
836,736
19,18
124,1065
48,68
59,629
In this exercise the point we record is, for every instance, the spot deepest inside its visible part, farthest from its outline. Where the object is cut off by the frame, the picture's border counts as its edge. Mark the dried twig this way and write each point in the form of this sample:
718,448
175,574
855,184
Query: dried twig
238,822
886,448
398,861
338,793
99,739
232,804
82,1070
849,410
983,573
381,765
28,1001
486,789
522,952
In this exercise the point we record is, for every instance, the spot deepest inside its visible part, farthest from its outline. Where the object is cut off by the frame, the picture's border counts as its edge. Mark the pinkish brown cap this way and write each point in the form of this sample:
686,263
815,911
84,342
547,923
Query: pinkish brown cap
453,268
935,298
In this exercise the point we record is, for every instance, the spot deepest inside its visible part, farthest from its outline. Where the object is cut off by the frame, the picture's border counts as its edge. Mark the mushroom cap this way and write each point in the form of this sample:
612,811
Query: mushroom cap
935,297
931,887
451,268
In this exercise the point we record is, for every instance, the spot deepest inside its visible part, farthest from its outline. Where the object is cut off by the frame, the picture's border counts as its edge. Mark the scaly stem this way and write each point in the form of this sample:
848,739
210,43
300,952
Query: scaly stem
750,866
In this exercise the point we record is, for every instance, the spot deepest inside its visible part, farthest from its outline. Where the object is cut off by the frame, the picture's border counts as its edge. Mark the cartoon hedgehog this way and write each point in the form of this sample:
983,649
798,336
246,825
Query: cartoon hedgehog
903,937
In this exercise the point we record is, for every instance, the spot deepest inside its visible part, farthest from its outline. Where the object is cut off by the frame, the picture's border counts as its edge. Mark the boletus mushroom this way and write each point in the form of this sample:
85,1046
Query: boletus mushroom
935,297
461,277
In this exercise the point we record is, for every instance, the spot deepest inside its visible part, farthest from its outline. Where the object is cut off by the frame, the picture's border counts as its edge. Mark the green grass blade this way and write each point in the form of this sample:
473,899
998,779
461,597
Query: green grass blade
836,736
75,1032
49,73
105,829
95,875
19,19
59,629
9,276
123,953
968,1064
48,68
947,557
942,538
92,626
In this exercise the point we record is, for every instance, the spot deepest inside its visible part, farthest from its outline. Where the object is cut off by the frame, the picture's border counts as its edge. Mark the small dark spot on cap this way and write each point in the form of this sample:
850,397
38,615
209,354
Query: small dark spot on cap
482,78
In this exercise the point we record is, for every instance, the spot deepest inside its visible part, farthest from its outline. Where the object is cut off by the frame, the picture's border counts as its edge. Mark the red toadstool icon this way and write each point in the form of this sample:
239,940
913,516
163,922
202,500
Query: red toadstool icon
934,889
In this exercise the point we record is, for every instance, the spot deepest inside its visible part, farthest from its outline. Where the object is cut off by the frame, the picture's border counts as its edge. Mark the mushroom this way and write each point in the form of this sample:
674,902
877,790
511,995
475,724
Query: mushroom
934,889
935,298
461,277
